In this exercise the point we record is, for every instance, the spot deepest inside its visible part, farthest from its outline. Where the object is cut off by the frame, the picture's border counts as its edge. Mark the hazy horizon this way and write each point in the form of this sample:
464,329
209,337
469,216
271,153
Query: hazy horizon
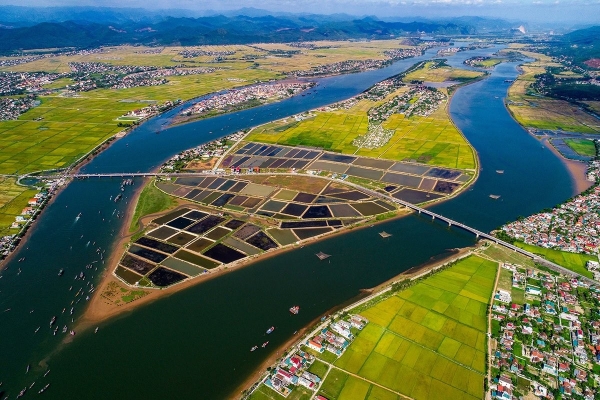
534,11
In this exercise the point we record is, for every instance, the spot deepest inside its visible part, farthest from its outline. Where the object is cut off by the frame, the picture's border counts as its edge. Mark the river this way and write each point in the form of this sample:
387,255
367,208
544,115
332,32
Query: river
195,343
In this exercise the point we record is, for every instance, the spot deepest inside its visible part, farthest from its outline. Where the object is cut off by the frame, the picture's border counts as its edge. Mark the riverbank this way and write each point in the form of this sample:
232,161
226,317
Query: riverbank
577,169
99,310
364,296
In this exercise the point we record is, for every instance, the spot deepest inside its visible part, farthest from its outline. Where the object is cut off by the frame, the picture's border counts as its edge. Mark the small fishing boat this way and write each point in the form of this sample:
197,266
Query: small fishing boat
96,330
42,390
265,344
294,310
271,329
61,272
52,320
254,348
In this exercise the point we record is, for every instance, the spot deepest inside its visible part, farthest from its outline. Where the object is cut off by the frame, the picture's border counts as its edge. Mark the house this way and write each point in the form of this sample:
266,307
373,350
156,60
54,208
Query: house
315,346
33,202
306,383
580,375
549,369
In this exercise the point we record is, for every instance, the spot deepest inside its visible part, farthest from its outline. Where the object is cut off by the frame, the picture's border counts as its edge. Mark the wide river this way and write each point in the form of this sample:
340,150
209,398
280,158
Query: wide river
195,343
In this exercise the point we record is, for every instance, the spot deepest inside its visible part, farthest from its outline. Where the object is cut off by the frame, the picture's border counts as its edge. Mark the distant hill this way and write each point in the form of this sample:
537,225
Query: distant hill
582,45
217,29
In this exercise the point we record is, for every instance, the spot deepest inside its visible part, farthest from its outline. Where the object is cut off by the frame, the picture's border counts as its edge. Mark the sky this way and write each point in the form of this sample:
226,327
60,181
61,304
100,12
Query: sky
572,11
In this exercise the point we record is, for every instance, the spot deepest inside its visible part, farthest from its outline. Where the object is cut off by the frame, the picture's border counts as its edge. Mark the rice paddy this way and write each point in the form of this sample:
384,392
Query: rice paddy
432,72
431,140
13,198
424,341
542,112
584,147
573,261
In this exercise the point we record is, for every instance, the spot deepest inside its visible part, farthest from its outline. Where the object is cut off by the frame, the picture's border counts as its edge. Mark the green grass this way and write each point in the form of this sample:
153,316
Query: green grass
505,280
573,261
318,368
13,198
583,147
151,200
426,340
517,295
433,138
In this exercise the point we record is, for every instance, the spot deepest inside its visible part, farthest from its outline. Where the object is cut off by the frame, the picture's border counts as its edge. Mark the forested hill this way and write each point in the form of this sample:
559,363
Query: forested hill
217,29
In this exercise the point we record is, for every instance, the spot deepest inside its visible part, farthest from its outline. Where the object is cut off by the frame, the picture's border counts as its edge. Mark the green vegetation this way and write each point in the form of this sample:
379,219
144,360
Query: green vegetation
426,340
584,147
266,393
431,140
573,261
489,63
152,200
534,111
437,71
13,198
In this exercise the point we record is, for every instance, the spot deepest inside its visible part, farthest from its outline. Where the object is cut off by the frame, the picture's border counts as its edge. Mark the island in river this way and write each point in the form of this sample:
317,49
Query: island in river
262,196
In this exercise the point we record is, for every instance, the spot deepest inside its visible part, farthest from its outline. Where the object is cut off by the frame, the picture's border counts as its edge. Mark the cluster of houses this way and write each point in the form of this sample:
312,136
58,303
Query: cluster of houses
342,67
21,59
193,53
262,93
92,75
215,148
573,226
337,336
291,372
16,83
11,108
547,345
151,110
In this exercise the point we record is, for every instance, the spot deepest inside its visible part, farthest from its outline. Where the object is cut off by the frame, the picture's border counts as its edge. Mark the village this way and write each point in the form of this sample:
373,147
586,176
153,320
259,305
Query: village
93,75
573,226
294,370
11,108
545,338
261,93
34,206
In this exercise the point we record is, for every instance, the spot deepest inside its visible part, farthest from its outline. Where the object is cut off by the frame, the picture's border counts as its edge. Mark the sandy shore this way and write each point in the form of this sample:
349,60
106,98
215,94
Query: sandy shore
577,169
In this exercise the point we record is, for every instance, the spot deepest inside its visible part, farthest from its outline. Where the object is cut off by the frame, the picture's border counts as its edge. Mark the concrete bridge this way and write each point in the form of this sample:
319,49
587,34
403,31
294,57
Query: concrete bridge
419,210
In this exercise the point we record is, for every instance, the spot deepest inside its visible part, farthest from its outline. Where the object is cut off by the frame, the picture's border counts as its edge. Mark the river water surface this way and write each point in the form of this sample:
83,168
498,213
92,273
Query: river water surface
196,343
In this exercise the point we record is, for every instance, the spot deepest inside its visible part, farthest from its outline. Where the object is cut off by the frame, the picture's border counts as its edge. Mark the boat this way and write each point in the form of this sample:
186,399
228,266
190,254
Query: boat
254,348
78,215
47,372
65,329
52,321
271,329
96,330
72,333
22,392
27,369
61,272
495,196
294,310
265,344
42,390
36,331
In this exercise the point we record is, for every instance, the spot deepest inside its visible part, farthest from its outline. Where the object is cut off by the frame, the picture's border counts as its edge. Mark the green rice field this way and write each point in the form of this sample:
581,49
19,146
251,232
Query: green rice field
13,198
424,341
433,139
573,261
584,147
